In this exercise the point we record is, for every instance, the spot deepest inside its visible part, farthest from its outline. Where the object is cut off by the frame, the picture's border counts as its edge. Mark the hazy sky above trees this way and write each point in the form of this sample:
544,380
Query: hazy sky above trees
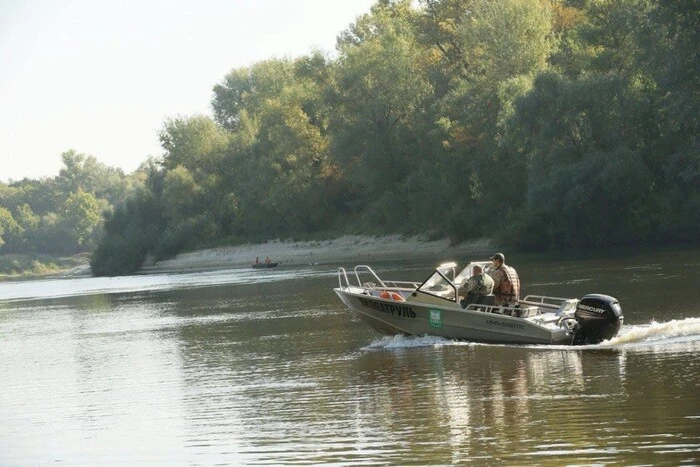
101,77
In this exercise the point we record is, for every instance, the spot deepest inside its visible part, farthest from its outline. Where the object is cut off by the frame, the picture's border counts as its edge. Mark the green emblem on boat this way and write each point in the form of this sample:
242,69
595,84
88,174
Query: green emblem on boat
435,318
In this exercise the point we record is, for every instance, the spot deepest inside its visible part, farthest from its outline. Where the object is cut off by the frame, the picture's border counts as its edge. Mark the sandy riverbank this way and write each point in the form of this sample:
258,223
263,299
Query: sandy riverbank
349,248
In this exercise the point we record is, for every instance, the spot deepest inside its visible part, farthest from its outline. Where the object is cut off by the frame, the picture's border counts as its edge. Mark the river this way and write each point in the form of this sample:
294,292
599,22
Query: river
246,366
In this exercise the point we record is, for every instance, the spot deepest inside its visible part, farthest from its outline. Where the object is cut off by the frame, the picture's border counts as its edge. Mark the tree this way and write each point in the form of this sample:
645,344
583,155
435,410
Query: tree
30,228
85,172
501,41
196,143
381,86
493,50
130,233
82,215
291,155
438,26
244,90
8,226
504,39
550,123
277,160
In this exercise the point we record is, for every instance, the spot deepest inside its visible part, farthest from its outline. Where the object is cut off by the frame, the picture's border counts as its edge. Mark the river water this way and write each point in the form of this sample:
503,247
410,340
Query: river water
267,367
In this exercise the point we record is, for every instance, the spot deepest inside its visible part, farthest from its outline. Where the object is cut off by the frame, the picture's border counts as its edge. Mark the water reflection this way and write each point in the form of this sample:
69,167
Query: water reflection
564,403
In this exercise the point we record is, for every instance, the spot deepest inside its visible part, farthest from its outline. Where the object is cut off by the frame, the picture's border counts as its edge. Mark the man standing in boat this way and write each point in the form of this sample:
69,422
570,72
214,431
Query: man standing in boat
506,283
476,287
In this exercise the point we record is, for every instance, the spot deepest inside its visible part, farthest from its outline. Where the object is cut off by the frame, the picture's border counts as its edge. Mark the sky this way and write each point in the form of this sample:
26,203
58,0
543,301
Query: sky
100,77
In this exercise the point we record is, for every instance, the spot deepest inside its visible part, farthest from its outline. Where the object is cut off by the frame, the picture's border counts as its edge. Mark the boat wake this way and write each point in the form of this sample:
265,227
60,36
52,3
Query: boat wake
678,330
408,342
682,331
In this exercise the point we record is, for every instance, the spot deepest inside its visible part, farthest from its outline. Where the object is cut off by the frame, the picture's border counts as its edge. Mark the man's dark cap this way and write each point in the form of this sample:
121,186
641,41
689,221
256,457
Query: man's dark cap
499,256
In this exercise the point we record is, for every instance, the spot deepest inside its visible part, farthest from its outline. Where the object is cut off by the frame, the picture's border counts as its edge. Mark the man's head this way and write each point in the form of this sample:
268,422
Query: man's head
477,270
498,259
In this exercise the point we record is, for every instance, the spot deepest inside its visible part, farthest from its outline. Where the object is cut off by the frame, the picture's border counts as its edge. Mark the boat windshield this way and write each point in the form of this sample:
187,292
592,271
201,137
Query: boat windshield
438,285
466,273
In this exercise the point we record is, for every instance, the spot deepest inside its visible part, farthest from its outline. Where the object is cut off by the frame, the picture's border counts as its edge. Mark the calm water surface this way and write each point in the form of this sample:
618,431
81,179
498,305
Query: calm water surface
267,367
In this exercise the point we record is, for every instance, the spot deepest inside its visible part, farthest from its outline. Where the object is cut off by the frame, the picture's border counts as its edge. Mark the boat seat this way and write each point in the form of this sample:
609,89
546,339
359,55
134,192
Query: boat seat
528,311
486,300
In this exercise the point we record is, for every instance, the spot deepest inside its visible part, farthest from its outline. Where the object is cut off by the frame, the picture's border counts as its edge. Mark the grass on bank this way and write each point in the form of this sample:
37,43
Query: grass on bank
19,266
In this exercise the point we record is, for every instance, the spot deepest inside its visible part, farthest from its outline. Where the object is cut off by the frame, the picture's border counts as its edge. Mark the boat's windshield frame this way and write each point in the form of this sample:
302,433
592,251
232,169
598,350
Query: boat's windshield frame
440,286
466,273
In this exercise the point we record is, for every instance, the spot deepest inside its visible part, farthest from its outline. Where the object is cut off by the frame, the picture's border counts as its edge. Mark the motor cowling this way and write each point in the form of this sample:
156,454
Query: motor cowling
598,318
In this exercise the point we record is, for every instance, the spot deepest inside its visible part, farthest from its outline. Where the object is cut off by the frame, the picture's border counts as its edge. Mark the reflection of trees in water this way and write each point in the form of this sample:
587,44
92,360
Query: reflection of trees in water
470,400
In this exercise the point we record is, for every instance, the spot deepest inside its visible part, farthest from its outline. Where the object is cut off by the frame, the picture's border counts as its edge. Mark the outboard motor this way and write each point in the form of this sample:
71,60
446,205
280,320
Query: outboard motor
598,318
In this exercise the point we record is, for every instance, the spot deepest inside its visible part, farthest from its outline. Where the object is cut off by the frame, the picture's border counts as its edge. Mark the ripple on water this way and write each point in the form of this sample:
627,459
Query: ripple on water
278,372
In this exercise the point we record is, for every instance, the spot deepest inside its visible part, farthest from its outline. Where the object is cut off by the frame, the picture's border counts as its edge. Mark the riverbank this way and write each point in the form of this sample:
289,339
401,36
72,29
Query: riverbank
348,248
21,267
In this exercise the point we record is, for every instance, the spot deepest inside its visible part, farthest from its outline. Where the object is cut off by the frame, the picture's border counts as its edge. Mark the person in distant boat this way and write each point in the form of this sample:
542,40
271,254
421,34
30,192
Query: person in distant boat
256,260
476,287
268,260
506,283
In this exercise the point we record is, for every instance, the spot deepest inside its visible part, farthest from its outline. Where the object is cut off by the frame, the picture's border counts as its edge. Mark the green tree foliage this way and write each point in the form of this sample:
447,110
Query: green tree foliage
9,228
604,166
277,165
195,143
670,45
86,173
492,51
245,90
63,214
131,231
507,38
542,123
82,215
588,184
381,89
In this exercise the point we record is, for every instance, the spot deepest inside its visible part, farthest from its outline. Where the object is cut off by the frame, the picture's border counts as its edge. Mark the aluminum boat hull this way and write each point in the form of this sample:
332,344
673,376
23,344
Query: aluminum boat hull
452,322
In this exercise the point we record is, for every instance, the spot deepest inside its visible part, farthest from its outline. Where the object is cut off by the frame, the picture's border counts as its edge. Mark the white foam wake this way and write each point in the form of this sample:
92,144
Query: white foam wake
687,329
674,331
406,342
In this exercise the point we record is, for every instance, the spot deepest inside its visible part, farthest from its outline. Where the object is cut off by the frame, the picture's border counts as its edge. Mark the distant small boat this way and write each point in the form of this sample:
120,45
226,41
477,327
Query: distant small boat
264,265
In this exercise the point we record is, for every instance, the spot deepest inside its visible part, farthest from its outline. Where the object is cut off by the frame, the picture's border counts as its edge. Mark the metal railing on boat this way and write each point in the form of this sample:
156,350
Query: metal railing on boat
563,306
399,285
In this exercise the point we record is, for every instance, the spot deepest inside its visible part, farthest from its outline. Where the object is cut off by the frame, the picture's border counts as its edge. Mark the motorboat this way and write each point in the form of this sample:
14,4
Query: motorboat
265,265
432,307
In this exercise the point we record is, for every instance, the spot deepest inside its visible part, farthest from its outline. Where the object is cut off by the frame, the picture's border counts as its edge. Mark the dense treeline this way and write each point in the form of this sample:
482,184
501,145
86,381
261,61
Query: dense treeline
541,123
62,215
